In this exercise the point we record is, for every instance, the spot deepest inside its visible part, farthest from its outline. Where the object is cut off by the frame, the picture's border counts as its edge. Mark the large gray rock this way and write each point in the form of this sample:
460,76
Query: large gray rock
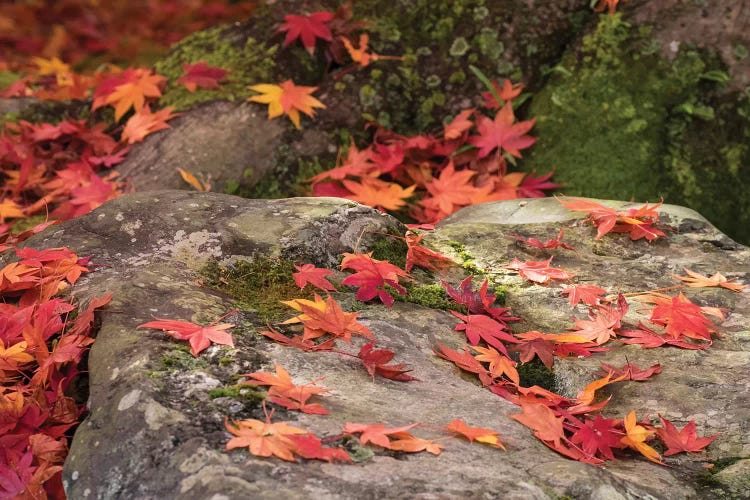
154,431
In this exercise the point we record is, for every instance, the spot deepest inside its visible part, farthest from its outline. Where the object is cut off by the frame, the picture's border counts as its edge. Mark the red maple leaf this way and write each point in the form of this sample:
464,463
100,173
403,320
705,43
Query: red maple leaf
459,125
683,440
539,271
507,92
307,28
311,447
372,276
599,435
200,337
285,393
201,75
534,187
602,323
480,327
316,276
631,371
638,222
376,361
479,302
451,191
298,341
649,339
550,243
681,317
588,294
502,134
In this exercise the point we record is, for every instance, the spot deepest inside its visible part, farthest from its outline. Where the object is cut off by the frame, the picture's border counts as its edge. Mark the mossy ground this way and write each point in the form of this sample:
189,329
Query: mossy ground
259,286
535,373
249,62
618,121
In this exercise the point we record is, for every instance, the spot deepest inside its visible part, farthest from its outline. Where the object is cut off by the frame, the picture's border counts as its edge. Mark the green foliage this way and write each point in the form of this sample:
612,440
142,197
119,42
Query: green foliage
180,358
239,392
432,296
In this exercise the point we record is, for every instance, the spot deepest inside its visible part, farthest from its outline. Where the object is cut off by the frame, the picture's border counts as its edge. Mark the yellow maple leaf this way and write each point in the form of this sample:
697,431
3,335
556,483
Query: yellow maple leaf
286,98
9,209
52,66
636,436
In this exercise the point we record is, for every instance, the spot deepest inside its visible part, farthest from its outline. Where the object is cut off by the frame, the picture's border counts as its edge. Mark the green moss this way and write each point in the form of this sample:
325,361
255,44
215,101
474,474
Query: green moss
432,296
180,358
391,249
466,258
535,373
22,225
288,178
259,285
239,392
249,62
617,121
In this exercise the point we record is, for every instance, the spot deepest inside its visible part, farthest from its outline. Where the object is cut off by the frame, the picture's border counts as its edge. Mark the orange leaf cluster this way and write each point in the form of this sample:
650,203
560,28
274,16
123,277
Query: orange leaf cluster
200,337
637,222
283,392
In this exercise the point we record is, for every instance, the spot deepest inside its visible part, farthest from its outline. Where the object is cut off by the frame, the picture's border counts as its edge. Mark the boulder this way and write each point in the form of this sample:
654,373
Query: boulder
155,426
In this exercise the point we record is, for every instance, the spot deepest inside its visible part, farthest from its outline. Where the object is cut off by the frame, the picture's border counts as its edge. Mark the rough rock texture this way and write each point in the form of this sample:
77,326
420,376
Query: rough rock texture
155,431
224,140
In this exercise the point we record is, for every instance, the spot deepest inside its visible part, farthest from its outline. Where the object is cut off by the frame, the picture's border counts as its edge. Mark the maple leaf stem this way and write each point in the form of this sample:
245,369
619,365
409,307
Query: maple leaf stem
235,310
656,290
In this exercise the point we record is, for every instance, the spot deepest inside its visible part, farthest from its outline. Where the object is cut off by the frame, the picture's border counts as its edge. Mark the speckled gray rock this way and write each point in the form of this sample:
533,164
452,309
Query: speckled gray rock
152,434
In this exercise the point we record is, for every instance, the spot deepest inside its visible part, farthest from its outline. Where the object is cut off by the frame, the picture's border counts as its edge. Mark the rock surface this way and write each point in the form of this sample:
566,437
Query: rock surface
155,431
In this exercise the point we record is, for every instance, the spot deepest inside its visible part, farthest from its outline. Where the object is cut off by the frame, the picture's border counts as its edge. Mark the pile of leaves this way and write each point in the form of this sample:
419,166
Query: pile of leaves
42,340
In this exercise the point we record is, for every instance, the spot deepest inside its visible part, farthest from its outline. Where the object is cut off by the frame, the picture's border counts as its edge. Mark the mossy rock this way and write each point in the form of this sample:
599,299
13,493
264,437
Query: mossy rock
618,121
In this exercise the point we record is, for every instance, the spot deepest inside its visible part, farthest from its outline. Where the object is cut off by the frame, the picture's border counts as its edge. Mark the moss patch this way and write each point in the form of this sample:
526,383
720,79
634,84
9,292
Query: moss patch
249,62
180,358
259,285
432,296
239,392
535,373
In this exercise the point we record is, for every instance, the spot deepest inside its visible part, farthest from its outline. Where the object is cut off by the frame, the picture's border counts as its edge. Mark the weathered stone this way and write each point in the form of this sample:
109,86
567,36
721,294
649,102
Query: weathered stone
155,431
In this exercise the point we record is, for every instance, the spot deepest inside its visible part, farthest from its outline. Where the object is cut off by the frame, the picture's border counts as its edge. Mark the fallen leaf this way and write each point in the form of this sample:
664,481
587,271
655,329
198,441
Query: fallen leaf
697,280
539,271
502,133
375,433
264,439
200,337
286,98
685,440
479,434
308,28
316,276
201,75
636,436
376,361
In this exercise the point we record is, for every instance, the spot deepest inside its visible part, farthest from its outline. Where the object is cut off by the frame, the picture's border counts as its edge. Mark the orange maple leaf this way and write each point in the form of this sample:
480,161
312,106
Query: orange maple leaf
133,94
264,439
286,98
404,441
144,122
378,194
487,436
452,190
636,436
375,433
360,55
285,393
198,184
697,280
326,317
499,363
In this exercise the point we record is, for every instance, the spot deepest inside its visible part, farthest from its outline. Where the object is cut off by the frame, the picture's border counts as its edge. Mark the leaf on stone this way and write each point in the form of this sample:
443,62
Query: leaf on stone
548,244
685,440
697,280
598,436
499,363
284,392
200,337
480,327
264,439
376,361
539,271
371,277
631,371
310,446
421,256
286,98
375,433
403,441
479,434
465,361
636,437
590,295
297,341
